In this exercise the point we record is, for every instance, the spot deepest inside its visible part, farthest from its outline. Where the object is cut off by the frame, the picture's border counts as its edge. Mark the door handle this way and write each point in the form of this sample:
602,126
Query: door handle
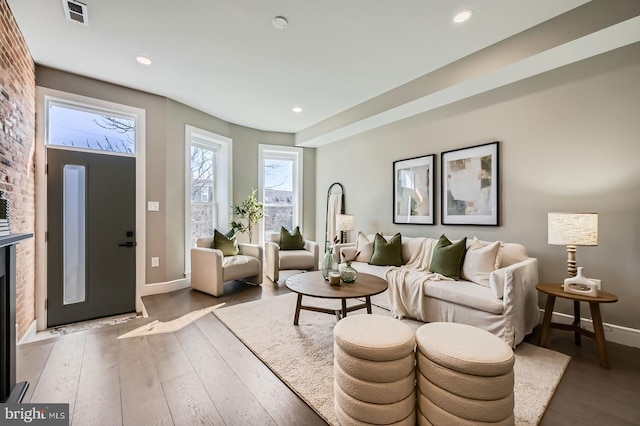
128,244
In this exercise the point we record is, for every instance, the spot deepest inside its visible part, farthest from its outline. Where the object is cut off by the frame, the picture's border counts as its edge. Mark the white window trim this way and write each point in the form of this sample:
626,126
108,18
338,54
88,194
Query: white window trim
43,97
285,152
224,167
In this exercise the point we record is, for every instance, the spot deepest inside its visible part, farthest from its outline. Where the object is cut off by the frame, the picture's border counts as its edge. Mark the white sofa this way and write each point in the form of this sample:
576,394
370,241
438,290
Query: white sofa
508,307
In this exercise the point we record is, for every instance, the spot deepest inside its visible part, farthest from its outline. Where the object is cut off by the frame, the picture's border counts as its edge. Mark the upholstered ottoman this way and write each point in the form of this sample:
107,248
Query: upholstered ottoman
465,376
374,371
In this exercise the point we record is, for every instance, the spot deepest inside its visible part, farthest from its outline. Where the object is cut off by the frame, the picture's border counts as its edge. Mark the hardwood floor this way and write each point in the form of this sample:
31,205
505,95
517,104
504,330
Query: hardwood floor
182,366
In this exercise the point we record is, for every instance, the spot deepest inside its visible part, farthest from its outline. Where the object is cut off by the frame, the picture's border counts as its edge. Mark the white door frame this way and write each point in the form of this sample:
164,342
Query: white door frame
43,94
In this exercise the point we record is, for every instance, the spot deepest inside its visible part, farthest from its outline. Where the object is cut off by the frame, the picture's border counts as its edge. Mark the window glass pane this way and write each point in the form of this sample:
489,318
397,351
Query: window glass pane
203,207
79,128
73,213
278,195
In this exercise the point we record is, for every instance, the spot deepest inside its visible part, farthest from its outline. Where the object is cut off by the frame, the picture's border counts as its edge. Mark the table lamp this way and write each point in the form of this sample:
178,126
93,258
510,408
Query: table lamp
344,224
573,229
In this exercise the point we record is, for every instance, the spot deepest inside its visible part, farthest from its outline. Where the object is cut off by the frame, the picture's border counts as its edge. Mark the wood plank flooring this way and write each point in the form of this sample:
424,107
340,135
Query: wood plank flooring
186,368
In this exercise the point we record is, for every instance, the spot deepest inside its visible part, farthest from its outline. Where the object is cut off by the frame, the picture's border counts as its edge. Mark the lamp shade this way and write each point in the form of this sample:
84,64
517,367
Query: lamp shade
577,229
345,222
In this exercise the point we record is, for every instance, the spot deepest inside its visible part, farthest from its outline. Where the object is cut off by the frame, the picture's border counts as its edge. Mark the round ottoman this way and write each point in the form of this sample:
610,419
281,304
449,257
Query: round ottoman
465,375
374,371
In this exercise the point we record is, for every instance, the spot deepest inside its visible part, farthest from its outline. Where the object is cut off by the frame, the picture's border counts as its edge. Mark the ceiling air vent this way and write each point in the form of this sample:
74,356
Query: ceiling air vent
76,11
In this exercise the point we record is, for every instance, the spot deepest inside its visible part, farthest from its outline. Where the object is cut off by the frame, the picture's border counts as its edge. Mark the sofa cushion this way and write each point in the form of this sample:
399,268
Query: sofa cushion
226,244
366,268
480,261
464,293
364,248
448,257
512,253
291,240
387,253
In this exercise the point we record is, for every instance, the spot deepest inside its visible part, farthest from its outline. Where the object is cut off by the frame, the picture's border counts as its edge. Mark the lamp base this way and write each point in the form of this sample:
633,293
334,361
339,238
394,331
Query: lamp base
571,261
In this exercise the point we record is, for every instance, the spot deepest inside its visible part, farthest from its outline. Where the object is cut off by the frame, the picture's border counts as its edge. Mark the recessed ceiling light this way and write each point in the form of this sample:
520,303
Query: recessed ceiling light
280,22
462,16
297,109
143,60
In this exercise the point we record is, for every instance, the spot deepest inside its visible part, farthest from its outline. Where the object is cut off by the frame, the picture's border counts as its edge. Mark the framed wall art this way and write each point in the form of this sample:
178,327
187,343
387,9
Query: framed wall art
470,185
413,190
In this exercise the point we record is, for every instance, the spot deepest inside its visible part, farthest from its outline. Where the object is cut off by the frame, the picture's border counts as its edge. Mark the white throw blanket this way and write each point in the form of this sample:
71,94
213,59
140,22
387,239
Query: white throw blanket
407,282
334,207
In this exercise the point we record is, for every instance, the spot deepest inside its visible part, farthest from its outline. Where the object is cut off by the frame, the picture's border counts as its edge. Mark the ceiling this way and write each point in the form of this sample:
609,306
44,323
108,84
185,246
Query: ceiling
226,58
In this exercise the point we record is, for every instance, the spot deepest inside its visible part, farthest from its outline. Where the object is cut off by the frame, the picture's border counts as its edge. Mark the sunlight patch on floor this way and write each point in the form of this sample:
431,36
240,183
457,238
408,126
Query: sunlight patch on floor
158,327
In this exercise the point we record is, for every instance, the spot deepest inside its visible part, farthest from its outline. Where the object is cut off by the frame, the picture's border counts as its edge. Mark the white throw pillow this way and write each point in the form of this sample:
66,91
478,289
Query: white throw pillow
480,261
364,248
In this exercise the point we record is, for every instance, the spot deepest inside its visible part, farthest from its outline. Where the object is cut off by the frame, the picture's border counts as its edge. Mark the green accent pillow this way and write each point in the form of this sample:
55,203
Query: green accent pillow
228,245
387,253
291,240
448,257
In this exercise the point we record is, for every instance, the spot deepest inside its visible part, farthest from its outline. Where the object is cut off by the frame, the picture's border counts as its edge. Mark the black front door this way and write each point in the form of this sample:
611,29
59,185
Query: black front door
91,255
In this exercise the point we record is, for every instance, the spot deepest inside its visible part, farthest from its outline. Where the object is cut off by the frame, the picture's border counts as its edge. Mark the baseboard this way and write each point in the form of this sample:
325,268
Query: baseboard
30,334
612,333
159,288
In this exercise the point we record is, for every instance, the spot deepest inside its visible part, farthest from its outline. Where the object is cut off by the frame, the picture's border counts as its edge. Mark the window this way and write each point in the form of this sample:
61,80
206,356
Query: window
280,178
84,127
208,186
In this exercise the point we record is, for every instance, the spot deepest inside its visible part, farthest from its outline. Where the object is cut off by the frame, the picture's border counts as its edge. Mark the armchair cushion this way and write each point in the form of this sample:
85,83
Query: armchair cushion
226,243
291,240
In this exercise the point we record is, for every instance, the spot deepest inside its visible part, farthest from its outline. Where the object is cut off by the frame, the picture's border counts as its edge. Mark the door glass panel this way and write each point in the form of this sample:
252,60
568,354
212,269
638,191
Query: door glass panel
85,128
73,228
278,195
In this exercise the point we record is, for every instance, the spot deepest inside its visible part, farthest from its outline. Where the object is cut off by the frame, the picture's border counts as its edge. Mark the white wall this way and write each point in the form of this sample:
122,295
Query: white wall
569,142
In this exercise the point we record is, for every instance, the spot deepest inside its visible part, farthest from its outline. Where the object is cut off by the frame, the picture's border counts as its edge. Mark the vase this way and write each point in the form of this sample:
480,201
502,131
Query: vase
348,274
578,279
329,264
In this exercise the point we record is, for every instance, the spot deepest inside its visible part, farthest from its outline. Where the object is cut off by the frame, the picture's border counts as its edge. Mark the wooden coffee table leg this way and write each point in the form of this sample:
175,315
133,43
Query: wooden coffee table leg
599,334
368,299
546,322
576,321
297,315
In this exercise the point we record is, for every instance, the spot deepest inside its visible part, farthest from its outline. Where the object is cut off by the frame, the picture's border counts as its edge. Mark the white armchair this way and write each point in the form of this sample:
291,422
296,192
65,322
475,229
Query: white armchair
278,260
210,269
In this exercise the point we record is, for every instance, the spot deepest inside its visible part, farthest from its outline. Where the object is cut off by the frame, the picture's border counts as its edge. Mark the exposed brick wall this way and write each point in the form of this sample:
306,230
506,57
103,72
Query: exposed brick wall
17,166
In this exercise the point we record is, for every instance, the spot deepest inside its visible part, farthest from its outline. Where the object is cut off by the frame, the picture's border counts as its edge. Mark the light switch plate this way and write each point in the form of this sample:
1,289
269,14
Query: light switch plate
153,206
155,262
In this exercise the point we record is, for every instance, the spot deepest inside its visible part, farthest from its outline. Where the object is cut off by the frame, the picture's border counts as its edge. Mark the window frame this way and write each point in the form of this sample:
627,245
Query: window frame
222,181
288,153
92,106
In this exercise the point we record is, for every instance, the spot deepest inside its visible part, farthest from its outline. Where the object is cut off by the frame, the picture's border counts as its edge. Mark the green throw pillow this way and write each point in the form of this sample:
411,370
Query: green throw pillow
387,253
291,240
225,243
448,257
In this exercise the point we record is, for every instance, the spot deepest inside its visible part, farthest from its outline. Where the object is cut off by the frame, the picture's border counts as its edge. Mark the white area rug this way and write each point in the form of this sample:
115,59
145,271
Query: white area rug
302,356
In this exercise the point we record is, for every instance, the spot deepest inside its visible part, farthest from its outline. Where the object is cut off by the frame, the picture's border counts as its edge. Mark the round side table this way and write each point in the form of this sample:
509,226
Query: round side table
553,290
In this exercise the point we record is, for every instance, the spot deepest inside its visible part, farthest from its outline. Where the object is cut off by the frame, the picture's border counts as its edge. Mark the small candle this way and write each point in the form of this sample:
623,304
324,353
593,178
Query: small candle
334,278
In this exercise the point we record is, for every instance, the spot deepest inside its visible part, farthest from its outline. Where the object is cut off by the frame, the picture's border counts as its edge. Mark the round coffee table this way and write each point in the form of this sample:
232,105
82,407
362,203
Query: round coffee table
312,284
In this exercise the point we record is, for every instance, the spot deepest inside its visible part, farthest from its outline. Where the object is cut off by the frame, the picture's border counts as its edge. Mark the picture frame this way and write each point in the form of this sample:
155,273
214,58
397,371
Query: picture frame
414,190
470,184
